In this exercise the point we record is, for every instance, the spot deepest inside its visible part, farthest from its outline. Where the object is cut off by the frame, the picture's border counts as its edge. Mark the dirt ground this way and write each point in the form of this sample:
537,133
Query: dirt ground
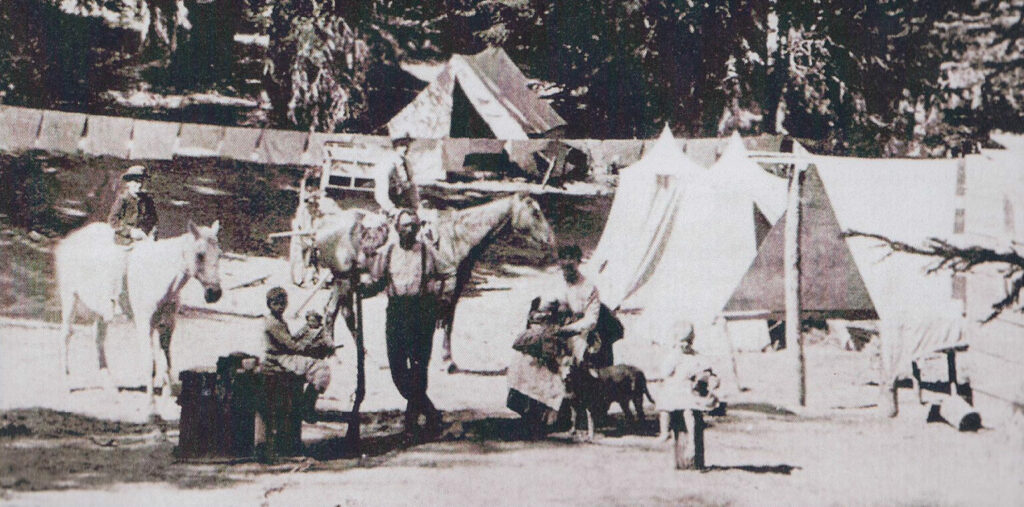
89,447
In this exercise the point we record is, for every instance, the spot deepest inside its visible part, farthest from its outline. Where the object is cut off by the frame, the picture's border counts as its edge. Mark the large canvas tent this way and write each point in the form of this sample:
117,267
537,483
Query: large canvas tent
480,96
911,202
702,246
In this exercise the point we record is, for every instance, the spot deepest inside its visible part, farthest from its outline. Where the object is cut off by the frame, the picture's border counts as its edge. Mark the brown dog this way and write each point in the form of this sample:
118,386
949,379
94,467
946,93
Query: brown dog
594,390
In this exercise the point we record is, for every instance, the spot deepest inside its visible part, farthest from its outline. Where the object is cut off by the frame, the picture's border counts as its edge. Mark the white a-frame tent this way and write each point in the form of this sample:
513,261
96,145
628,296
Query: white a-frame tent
641,215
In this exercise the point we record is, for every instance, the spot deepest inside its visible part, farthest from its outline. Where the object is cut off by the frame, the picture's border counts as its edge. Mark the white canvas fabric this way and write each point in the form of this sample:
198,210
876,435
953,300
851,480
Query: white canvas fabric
710,246
993,204
908,201
61,131
152,140
736,167
198,140
18,127
497,91
704,241
109,135
641,217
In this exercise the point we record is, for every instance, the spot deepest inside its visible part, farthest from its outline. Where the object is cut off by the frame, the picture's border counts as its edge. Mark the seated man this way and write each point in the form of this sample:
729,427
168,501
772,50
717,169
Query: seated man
303,354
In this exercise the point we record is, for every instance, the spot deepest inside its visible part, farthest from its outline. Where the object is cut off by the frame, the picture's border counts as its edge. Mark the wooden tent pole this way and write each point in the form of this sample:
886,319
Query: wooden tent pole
794,336
732,355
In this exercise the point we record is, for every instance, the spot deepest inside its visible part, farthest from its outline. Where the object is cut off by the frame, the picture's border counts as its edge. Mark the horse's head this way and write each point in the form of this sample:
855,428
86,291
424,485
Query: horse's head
203,258
528,219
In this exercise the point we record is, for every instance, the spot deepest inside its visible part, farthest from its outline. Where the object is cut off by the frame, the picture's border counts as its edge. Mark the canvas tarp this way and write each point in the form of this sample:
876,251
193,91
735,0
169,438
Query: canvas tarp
61,131
909,201
522,153
240,144
618,153
497,92
830,284
18,128
153,140
314,154
283,147
706,151
198,140
640,219
108,135
429,115
993,204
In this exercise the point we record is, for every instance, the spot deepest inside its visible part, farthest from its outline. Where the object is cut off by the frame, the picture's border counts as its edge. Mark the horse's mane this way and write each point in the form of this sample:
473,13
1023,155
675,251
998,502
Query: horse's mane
475,227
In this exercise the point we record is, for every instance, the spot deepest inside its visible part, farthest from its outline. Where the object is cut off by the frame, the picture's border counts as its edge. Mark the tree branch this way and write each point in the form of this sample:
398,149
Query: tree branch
963,260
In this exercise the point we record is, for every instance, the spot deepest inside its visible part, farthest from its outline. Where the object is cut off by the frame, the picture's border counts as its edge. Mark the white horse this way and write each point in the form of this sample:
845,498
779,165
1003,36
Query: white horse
92,269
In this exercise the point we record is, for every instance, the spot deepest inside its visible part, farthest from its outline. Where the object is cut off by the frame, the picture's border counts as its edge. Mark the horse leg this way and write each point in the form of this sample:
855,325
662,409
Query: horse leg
145,333
165,328
339,301
445,323
106,381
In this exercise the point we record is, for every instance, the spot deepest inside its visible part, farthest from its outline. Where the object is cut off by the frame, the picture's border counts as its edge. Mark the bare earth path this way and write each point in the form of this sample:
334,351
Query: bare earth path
838,451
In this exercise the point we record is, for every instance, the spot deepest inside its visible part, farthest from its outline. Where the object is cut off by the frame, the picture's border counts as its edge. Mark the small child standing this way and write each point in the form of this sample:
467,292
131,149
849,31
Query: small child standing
302,354
687,382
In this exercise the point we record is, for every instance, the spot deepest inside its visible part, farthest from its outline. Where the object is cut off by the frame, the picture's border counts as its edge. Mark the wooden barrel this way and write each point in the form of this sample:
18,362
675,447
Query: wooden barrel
217,412
238,406
279,416
199,425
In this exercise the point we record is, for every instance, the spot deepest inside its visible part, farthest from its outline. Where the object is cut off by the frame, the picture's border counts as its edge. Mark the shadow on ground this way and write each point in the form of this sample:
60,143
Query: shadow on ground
754,469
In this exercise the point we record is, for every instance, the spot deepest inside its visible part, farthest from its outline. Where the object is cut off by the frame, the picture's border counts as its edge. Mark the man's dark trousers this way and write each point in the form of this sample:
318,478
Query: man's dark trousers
410,337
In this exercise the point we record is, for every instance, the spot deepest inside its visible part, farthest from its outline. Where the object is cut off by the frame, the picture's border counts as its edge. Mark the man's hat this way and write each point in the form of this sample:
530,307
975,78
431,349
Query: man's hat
135,172
402,139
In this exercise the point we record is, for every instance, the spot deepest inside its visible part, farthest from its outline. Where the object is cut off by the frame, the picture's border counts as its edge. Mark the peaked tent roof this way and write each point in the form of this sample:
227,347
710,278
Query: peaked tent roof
769,192
497,91
830,284
641,217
